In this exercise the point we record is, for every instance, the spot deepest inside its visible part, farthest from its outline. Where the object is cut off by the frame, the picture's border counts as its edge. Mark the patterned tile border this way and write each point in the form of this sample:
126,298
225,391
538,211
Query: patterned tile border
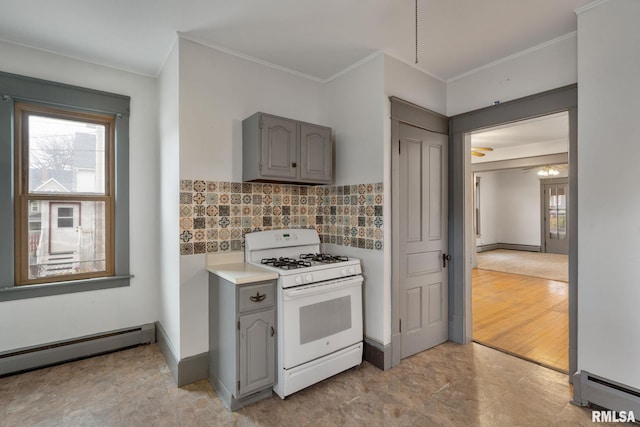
215,215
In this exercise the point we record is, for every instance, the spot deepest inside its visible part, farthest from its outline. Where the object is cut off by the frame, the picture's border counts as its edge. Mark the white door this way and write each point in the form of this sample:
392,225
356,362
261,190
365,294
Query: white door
65,219
421,171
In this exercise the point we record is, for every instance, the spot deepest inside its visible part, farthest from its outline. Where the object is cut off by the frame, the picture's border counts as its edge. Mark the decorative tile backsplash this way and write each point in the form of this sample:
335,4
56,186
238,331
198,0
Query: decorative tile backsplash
215,215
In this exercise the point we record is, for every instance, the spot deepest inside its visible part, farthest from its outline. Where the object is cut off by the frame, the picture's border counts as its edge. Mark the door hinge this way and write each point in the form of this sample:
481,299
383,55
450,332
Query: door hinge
238,385
260,124
238,325
260,165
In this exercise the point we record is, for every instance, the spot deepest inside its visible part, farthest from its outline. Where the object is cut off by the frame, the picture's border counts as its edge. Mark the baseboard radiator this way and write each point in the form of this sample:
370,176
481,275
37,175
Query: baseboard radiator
593,390
28,358
510,246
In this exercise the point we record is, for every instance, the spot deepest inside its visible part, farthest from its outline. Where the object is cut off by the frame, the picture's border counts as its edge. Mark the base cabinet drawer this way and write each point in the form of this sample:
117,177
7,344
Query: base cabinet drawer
256,297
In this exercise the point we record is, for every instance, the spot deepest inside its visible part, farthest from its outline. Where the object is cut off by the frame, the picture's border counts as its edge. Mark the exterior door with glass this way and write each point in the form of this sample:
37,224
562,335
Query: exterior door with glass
555,217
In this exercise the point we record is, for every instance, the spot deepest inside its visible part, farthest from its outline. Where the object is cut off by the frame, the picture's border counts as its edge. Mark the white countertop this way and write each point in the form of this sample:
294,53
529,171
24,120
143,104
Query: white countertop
231,267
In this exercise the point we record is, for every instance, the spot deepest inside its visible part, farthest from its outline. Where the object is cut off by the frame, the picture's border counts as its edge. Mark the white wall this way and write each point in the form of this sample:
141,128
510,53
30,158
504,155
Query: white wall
412,85
489,189
40,320
353,105
510,207
169,126
609,209
536,70
217,91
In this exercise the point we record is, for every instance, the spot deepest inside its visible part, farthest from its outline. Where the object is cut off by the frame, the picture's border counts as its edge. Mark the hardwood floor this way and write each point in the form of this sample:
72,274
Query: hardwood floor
522,315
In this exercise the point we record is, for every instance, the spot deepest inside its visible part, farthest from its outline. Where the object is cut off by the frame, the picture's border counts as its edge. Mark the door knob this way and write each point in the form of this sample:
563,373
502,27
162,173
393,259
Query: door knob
445,258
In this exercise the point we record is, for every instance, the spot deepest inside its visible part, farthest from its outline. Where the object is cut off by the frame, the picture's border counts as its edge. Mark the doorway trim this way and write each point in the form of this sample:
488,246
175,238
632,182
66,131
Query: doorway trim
414,115
460,209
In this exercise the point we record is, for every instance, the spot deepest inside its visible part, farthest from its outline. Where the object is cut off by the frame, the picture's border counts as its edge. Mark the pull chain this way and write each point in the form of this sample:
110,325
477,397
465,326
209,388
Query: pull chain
416,31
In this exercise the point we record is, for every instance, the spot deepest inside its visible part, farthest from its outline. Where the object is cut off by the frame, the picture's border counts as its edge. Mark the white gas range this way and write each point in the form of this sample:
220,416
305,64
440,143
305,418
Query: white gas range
319,306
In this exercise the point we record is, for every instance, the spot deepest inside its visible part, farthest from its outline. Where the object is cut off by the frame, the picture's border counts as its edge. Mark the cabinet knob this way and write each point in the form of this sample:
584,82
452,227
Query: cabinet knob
258,297
294,164
273,331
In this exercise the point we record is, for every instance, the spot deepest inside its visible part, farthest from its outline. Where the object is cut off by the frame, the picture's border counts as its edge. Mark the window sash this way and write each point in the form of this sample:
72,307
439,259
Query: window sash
24,197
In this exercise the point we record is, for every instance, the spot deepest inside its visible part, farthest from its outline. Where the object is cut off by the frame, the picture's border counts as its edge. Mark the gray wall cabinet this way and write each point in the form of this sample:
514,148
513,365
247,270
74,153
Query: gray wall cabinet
242,340
286,150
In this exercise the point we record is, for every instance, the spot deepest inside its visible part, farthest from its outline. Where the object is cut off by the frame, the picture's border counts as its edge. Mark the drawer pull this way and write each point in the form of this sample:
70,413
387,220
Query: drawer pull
257,297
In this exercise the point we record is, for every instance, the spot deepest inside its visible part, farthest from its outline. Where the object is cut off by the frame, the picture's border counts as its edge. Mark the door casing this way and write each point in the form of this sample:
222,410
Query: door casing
460,222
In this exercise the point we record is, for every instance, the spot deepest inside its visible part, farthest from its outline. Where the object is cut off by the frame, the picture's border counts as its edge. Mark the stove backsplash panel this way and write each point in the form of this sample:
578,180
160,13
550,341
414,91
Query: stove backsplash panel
215,215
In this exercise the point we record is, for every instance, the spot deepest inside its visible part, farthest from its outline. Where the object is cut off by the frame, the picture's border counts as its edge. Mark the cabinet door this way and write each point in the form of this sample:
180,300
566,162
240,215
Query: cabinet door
257,351
316,153
279,150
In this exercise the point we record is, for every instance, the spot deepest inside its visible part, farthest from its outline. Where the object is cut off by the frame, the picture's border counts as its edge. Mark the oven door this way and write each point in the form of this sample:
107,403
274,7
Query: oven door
320,318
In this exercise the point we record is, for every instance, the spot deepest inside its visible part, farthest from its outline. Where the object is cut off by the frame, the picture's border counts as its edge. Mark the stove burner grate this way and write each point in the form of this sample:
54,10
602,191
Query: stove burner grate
324,258
286,263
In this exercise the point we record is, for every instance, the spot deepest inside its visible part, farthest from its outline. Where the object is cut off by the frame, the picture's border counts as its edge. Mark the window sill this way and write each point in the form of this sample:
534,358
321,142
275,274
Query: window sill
58,288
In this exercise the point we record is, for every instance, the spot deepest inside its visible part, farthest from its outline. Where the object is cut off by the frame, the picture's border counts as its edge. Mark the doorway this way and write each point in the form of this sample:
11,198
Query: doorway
462,239
520,292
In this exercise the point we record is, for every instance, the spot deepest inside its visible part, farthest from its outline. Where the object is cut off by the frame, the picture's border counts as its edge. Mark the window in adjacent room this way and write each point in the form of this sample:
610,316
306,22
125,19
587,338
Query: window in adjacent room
476,202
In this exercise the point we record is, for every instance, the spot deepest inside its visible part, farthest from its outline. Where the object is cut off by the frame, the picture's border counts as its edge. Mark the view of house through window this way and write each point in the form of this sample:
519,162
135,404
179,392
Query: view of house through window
65,194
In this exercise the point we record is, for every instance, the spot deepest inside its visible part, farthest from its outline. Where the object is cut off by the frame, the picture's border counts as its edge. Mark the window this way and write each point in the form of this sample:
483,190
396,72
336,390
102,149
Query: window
65,169
63,164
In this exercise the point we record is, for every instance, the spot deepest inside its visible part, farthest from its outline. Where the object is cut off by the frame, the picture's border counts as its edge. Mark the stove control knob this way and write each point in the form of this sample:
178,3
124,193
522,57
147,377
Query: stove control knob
308,278
299,280
343,271
352,270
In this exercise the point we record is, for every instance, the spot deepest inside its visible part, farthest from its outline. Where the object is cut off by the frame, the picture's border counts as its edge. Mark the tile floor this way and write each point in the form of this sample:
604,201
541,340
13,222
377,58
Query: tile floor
448,385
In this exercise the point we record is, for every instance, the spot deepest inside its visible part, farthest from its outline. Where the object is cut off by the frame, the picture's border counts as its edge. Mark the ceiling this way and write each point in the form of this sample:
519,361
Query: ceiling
316,38
533,137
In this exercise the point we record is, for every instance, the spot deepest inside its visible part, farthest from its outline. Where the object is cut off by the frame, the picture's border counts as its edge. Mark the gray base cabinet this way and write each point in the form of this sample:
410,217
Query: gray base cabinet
242,342
286,150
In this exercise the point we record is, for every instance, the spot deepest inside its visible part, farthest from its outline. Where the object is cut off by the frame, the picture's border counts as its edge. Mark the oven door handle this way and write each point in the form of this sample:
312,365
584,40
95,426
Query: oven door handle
322,288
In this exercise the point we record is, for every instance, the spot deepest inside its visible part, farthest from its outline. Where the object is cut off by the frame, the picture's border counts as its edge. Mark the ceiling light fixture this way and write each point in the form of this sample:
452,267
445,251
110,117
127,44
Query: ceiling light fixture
548,171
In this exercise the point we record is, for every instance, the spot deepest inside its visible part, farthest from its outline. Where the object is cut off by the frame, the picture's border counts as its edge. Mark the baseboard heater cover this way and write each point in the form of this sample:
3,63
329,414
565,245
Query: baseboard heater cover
34,357
509,246
594,390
